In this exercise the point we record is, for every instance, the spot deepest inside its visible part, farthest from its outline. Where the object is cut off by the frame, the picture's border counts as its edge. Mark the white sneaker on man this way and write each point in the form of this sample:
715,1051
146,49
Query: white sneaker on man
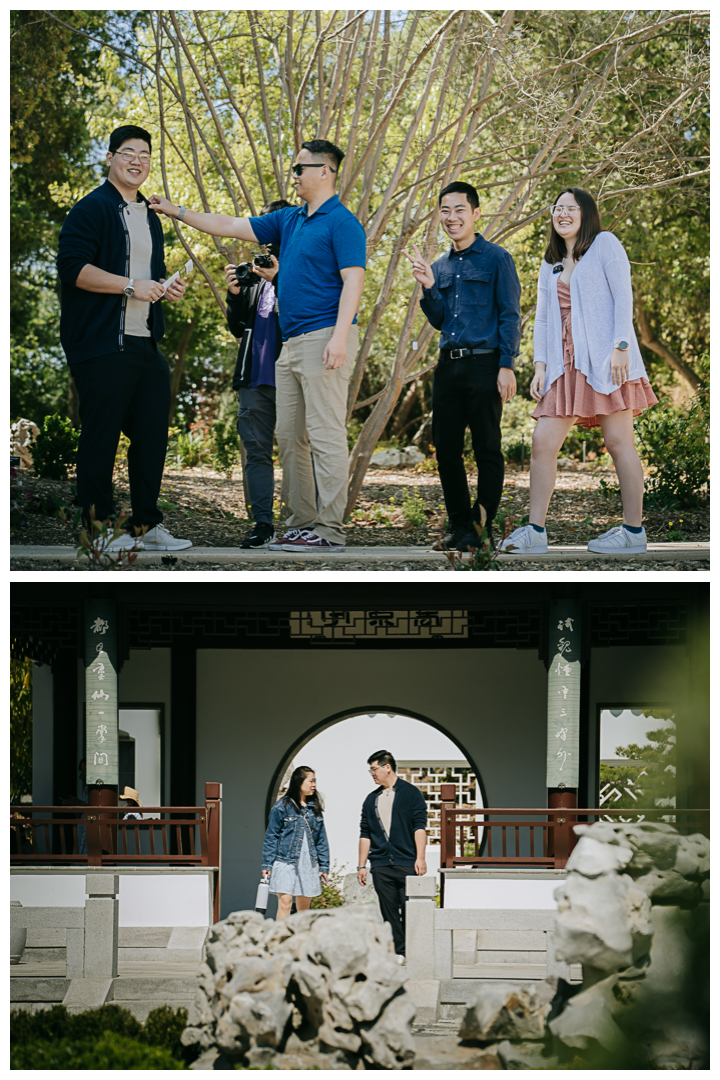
123,542
159,539
620,541
524,540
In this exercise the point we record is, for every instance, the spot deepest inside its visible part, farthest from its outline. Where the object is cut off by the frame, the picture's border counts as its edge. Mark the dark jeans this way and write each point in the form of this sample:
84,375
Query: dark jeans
126,392
389,882
256,426
465,395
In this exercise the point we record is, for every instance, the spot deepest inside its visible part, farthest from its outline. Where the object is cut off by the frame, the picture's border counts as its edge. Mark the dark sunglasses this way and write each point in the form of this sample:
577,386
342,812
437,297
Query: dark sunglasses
297,169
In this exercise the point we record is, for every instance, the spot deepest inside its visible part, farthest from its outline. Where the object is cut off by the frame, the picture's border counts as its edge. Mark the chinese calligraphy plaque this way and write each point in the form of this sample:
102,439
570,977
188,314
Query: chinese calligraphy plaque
563,715
101,708
351,625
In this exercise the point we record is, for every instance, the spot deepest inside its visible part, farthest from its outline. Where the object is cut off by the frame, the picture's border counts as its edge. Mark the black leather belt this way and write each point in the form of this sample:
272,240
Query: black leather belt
458,354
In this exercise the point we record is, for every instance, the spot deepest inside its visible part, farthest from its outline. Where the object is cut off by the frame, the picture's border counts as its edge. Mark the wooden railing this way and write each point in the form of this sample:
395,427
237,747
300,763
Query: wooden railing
181,836
544,837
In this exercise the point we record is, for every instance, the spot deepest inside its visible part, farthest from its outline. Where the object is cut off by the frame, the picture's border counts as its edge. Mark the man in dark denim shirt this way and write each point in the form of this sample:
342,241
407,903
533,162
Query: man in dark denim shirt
472,295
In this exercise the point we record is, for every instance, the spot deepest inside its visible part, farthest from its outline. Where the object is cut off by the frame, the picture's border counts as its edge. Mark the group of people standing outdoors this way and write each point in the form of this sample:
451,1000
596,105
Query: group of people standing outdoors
295,315
393,837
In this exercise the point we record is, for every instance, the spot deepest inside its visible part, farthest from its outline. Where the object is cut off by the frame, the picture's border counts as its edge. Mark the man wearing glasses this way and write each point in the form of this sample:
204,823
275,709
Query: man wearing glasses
112,268
320,282
393,835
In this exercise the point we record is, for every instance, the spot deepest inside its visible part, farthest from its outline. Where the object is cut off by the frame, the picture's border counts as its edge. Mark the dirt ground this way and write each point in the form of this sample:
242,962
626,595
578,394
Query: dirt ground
205,507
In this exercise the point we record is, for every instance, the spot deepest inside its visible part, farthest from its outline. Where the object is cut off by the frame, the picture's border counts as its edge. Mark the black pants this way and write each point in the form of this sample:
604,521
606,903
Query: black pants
465,395
126,392
389,882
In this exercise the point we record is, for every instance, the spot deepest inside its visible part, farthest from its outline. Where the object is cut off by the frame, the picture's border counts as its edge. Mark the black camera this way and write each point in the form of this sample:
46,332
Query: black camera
244,271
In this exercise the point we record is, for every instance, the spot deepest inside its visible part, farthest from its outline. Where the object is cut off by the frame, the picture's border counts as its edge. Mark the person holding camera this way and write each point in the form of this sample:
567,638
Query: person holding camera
252,318
111,265
320,282
471,294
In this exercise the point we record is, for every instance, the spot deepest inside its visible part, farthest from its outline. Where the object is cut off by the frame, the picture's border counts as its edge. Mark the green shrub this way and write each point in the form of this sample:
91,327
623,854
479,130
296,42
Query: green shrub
332,894
517,428
676,444
55,448
56,1023
192,448
163,1029
413,509
106,1051
225,447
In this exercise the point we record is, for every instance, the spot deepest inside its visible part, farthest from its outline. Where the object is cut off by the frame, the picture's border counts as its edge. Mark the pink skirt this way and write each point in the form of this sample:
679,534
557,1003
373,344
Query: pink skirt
571,393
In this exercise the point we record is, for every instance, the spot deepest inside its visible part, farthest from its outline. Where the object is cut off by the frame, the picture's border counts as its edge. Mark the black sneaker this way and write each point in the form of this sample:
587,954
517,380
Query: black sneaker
259,536
452,541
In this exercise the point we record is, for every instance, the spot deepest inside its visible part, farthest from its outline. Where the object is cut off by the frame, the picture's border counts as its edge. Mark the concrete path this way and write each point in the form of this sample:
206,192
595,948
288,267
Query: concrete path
656,553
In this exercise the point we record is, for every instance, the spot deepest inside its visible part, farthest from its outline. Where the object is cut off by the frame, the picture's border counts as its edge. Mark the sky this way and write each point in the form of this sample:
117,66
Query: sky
620,730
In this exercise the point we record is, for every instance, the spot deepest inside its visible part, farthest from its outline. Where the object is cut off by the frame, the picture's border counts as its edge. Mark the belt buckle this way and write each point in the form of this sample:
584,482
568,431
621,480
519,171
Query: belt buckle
456,354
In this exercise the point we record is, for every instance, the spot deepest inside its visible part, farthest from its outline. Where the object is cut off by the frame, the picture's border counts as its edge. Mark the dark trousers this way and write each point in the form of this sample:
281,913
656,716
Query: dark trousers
465,395
124,392
389,882
256,427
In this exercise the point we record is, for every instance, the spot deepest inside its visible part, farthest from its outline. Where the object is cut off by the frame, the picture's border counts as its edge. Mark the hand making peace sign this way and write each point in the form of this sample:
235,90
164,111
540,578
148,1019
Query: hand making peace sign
422,270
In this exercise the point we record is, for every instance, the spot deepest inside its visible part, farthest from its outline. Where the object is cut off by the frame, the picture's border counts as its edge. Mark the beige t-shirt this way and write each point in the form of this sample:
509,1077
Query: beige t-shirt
137,312
385,807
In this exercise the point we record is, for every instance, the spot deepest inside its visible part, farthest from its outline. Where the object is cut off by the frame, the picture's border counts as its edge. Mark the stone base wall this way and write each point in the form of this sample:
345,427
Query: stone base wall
153,944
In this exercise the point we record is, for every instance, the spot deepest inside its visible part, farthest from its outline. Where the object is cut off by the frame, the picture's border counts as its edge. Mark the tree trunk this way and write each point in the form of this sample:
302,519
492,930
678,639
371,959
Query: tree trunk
177,370
650,341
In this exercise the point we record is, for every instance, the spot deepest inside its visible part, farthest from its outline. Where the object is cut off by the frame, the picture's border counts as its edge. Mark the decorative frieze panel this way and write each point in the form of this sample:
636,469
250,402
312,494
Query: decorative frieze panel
350,625
638,624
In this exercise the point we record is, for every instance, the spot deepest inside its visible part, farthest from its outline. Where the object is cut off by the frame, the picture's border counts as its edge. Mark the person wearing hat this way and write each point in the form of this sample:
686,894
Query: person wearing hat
130,798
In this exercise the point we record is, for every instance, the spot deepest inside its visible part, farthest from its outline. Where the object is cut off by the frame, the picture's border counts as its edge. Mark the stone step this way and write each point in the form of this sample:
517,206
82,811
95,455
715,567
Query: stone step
129,988
663,552
38,988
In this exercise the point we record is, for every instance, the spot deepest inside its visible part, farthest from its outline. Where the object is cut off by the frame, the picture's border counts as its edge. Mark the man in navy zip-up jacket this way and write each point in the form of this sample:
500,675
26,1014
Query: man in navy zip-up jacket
393,835
111,266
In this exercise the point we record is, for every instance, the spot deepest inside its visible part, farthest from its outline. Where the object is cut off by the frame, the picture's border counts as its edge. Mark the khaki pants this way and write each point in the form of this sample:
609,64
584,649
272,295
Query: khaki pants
311,406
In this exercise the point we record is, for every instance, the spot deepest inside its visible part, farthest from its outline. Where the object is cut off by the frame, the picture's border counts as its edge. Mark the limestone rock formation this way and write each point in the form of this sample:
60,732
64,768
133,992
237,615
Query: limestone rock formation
396,459
355,893
506,1011
321,989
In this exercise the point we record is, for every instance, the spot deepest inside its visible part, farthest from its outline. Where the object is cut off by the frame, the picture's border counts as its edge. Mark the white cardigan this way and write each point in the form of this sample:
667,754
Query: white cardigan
602,313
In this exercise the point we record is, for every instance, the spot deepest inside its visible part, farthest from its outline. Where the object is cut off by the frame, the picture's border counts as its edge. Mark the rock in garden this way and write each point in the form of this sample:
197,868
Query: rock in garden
319,990
527,1055
589,1015
445,1052
504,1011
22,435
355,893
604,922
396,459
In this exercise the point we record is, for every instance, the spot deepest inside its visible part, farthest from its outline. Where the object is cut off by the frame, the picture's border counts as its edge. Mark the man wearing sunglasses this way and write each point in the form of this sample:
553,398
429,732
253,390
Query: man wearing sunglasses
112,268
319,285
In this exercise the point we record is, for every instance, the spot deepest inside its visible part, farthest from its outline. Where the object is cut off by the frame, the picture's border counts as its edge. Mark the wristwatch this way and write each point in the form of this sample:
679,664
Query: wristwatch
362,867
129,289
182,210
623,346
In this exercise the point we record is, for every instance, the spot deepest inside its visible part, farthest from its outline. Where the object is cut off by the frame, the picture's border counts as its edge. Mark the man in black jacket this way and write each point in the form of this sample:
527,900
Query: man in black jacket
252,318
112,268
393,835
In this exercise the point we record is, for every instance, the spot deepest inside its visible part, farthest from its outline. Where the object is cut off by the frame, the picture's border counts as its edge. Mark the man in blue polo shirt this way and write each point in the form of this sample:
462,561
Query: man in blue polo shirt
319,285
472,295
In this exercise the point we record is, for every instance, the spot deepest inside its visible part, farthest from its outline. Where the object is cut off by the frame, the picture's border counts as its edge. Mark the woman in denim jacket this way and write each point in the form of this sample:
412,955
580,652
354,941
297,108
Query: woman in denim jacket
296,856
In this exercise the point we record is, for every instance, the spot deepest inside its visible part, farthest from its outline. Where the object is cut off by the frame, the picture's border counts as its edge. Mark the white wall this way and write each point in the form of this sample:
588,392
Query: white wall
494,893
146,899
145,679
339,757
143,726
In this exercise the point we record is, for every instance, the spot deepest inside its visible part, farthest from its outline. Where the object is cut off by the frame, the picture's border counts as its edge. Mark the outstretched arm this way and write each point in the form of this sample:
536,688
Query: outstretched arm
215,224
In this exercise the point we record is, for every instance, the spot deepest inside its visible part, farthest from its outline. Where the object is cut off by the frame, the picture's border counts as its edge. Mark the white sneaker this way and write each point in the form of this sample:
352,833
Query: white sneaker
159,539
123,542
620,541
400,959
524,540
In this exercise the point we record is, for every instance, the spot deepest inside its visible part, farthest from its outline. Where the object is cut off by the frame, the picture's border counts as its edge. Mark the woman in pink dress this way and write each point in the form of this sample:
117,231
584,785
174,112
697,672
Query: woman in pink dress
588,368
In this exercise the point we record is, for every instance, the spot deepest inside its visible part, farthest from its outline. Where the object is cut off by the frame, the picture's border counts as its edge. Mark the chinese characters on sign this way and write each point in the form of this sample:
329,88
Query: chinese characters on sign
101,712
351,625
563,716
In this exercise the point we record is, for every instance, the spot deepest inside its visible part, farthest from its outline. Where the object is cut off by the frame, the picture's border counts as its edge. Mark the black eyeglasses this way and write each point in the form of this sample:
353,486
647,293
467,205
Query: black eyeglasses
297,169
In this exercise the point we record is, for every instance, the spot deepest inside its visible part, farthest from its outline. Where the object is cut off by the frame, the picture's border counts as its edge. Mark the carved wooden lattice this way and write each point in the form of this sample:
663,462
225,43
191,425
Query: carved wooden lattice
428,776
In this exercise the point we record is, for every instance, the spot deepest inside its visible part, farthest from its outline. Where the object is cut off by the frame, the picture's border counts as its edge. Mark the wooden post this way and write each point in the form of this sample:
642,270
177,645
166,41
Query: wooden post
447,825
562,838
213,822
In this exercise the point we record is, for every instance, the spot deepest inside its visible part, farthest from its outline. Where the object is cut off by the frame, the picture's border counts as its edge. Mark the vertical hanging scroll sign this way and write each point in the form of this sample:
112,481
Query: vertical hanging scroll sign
101,723
563,714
